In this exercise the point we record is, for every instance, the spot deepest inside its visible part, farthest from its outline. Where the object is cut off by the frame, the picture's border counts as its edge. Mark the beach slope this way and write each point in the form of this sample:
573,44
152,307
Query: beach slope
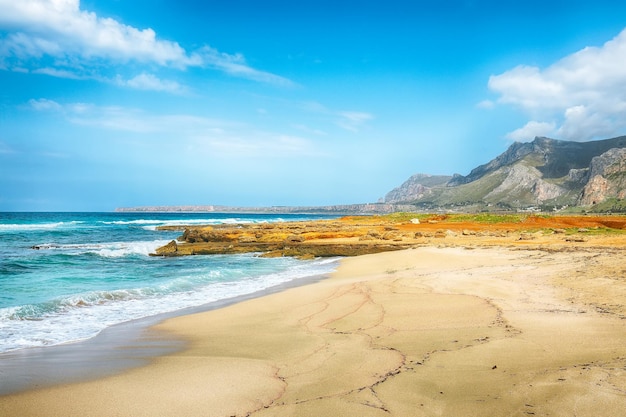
421,332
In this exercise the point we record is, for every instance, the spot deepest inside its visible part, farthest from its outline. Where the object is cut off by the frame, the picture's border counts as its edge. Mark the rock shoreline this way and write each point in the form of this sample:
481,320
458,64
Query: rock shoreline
301,239
355,235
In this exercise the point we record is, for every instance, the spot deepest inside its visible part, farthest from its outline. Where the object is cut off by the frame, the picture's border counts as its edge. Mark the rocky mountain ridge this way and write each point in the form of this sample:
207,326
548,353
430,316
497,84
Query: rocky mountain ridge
539,173
542,174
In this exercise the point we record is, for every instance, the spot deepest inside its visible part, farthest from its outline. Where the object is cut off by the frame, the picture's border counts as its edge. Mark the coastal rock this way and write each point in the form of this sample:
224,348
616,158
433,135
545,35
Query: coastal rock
294,239
391,236
351,236
440,234
298,239
527,236
170,249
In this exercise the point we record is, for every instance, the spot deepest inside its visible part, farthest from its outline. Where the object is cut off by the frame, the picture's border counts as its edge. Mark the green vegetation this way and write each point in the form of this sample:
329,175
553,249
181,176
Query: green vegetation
490,218
485,217
474,192
400,217
611,205
594,231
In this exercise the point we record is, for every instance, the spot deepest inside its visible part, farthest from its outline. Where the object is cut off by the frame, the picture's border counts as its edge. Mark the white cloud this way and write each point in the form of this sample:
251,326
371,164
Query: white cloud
59,27
583,92
532,129
203,135
146,81
309,130
584,121
485,104
235,65
68,41
59,73
125,119
44,104
352,120
348,120
262,146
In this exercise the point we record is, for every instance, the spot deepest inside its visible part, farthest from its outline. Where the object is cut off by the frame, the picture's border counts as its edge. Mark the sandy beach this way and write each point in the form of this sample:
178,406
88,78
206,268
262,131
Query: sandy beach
430,331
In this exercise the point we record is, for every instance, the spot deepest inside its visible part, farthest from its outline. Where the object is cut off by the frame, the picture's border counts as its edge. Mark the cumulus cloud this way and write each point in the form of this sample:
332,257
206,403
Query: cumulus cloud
532,129
60,27
59,38
579,97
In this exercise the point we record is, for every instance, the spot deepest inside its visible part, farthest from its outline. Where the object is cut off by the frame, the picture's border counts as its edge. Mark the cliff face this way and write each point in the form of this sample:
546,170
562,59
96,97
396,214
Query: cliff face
544,171
416,187
607,178
554,158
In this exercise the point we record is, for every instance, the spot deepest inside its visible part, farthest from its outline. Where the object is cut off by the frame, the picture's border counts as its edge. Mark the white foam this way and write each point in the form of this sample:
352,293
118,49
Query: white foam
36,226
180,222
84,316
152,224
108,250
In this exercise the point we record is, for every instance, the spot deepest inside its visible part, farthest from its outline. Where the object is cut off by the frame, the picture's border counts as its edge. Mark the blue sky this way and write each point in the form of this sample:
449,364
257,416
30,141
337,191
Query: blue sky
111,103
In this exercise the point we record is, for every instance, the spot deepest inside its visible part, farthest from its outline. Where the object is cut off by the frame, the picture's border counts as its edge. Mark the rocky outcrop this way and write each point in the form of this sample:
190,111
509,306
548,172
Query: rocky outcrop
521,180
351,236
416,187
595,191
171,249
301,239
555,158
516,152
607,178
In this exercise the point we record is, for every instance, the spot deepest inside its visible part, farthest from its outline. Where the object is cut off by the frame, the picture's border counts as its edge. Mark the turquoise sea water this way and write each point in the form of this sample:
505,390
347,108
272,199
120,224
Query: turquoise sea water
92,270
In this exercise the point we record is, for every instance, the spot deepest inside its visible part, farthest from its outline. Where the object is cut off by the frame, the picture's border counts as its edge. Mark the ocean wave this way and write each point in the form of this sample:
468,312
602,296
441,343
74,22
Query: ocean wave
82,316
36,226
152,224
180,222
63,305
108,250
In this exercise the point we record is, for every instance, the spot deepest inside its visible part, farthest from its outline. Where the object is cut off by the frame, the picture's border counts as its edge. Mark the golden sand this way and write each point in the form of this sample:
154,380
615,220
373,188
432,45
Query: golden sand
420,332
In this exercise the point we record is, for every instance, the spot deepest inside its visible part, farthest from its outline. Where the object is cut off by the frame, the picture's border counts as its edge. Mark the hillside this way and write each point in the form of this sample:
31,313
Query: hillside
544,172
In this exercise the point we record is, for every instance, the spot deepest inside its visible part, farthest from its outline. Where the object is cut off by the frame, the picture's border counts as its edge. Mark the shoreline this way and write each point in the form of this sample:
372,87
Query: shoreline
421,332
114,350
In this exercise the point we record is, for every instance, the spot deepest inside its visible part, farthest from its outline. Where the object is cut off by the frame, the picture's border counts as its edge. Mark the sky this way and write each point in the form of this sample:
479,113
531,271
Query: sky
123,103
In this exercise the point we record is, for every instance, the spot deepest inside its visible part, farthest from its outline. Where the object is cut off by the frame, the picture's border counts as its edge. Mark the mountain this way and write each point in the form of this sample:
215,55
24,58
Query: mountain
416,187
544,172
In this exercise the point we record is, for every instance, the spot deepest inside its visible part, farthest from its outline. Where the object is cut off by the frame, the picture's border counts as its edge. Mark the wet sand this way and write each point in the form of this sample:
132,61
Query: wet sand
420,332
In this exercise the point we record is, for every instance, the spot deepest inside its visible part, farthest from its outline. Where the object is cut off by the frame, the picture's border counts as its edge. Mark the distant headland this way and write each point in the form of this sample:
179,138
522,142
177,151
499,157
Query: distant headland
369,208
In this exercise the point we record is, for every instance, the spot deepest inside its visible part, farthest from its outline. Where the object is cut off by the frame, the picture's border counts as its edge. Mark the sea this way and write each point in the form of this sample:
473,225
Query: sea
66,277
